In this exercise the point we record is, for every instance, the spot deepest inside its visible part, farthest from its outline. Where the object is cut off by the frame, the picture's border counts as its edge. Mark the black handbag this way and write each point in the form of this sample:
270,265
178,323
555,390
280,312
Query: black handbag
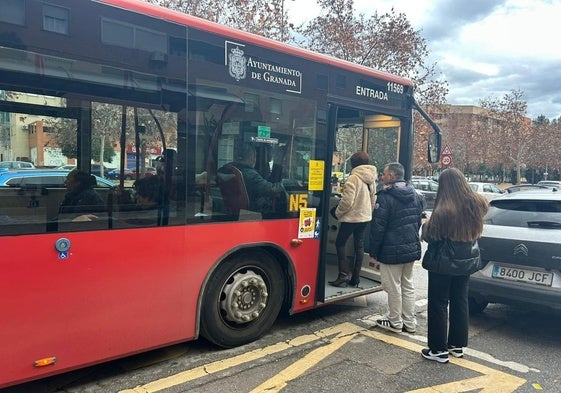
452,258
332,211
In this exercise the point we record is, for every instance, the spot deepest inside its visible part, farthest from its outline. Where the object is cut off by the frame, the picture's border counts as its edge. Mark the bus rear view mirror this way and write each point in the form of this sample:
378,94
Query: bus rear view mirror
434,147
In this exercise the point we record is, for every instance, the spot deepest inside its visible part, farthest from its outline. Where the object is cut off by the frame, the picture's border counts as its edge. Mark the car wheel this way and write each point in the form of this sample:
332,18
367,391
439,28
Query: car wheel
242,299
476,306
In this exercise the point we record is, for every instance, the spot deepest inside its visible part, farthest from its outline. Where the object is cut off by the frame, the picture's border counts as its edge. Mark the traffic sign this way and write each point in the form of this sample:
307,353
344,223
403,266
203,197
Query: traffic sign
446,151
446,160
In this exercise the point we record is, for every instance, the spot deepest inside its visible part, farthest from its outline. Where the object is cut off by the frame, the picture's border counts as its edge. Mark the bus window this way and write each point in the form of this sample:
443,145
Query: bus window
383,139
280,131
378,135
348,140
62,133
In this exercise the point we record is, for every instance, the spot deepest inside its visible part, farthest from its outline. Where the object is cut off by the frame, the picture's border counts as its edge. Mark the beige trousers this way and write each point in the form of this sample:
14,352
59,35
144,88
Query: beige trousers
397,281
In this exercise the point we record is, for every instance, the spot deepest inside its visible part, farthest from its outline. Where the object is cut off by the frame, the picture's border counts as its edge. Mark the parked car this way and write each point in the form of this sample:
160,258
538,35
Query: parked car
148,171
488,190
96,170
42,178
66,168
116,174
550,183
521,249
427,188
524,187
11,165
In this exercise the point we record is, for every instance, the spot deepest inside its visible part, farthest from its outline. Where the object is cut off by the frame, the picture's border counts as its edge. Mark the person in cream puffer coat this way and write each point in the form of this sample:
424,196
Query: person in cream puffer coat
354,212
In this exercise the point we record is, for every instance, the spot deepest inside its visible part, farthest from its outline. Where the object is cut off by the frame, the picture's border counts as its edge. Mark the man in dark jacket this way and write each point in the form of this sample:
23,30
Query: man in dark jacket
259,191
395,246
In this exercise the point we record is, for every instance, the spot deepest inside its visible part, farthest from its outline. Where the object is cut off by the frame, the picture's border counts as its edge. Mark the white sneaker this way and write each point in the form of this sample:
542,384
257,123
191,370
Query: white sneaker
440,356
386,324
457,352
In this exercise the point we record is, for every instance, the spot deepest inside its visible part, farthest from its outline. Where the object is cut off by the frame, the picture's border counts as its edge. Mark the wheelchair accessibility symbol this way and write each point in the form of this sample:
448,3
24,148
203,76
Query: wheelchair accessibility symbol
63,255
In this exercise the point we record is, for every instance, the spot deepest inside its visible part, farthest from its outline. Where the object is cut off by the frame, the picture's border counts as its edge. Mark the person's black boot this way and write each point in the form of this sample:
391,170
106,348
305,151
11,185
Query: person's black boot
355,279
341,281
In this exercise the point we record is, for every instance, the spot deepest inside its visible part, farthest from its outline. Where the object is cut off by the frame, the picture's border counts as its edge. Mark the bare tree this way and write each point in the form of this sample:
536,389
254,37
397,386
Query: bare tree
386,42
514,134
264,17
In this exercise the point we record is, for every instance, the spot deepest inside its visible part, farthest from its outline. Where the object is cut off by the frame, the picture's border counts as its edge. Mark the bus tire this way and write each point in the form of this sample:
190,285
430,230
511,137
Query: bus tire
242,299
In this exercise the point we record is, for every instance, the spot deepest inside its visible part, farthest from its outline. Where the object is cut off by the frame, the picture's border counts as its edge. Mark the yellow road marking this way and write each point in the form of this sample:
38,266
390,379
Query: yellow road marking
490,382
220,365
279,381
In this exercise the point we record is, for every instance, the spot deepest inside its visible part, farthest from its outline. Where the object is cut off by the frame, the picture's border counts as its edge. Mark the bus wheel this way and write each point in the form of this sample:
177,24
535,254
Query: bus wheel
242,300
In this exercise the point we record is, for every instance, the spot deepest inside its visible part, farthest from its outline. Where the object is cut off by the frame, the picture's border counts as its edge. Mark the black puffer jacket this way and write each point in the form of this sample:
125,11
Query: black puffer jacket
394,230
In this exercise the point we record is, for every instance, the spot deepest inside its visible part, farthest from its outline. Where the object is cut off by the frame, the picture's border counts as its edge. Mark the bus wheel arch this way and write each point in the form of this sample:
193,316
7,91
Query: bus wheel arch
243,297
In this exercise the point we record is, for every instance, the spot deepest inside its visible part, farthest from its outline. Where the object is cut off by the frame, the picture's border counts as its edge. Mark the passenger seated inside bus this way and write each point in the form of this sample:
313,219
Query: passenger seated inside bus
149,192
81,200
149,202
260,192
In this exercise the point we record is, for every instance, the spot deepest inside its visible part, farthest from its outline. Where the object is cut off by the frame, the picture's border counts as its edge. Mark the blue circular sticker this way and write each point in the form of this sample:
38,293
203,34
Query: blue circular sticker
62,244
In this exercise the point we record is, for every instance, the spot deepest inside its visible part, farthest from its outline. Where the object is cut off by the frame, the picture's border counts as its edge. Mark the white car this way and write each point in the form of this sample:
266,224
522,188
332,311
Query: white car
550,183
10,165
521,249
66,168
488,190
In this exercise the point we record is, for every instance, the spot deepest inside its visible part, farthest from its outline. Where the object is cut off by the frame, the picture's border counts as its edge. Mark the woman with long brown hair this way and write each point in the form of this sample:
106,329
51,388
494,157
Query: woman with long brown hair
457,217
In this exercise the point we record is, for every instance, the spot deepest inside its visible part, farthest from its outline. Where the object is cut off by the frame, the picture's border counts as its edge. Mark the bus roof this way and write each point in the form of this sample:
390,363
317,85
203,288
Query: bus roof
203,24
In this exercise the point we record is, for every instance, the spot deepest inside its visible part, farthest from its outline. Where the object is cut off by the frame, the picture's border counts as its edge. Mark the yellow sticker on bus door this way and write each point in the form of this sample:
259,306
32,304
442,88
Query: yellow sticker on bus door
315,175
307,223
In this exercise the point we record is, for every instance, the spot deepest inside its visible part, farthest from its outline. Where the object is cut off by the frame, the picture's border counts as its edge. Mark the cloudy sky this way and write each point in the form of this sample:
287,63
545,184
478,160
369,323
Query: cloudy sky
483,48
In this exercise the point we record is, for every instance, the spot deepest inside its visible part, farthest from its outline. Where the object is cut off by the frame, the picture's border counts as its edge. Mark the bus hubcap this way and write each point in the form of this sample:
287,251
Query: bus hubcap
245,297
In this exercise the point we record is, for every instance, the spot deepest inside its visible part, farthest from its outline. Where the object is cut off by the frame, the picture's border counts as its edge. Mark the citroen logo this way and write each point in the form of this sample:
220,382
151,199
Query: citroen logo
521,249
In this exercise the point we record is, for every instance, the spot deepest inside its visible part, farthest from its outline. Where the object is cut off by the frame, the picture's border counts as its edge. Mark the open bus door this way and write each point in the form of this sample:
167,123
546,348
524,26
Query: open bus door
351,131
386,139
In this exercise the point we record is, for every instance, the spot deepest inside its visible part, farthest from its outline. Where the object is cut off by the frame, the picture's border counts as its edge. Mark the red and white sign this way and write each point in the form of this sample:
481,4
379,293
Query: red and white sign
446,151
446,156
446,160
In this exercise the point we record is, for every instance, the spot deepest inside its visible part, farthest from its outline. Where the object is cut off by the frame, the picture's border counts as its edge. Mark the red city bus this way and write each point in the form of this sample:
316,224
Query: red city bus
127,85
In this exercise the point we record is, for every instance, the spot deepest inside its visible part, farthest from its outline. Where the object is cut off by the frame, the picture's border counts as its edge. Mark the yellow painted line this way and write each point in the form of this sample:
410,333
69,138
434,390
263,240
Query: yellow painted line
492,381
296,369
220,365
